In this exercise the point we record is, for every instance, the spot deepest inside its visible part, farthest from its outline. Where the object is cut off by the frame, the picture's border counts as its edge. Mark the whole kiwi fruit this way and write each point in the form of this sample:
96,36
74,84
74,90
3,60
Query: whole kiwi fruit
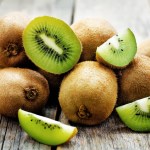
144,48
88,93
92,33
134,81
22,88
12,53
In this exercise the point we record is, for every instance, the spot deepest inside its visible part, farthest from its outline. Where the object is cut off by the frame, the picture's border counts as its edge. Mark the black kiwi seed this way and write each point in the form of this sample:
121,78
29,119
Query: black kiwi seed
138,112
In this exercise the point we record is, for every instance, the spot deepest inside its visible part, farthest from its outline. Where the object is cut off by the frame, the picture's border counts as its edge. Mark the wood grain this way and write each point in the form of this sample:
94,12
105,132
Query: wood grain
120,13
112,134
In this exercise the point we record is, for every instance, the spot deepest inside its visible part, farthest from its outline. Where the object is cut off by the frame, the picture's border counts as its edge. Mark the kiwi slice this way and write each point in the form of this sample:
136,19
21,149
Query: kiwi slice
118,51
45,130
51,44
136,115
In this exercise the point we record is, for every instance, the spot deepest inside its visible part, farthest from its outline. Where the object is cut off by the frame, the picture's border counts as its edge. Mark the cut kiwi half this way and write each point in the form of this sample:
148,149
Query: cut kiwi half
51,44
136,115
118,51
45,130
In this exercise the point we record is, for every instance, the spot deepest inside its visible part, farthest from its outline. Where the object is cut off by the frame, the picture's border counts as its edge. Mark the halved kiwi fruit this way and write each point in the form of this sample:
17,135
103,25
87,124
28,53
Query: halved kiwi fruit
118,51
45,130
51,44
136,115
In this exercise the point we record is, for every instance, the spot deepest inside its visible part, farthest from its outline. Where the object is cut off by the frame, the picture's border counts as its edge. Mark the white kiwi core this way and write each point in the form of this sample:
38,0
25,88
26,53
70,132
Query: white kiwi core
50,42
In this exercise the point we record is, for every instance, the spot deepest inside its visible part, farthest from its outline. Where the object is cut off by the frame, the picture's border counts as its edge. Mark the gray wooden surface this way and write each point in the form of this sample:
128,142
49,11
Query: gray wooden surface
111,134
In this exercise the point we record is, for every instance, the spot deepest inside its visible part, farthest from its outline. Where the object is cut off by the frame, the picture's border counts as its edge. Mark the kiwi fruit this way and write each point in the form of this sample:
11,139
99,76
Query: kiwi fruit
54,81
51,44
12,53
144,48
118,51
92,32
136,115
134,81
45,130
88,93
22,88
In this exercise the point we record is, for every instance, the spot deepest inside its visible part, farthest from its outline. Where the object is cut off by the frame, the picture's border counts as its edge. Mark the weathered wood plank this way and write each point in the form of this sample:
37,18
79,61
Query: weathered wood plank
3,129
112,134
121,14
58,8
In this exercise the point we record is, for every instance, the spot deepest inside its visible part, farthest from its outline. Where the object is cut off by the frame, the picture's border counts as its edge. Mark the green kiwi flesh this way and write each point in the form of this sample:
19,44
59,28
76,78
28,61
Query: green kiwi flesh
51,44
118,51
136,115
45,130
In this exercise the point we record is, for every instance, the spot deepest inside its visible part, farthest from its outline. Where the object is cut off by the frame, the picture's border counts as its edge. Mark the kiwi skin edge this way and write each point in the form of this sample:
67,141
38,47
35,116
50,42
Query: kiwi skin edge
101,60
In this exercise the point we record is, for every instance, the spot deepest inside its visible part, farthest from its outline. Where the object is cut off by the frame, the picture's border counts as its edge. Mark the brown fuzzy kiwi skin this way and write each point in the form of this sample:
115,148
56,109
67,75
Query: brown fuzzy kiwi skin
144,48
88,93
54,81
12,53
22,88
134,81
92,33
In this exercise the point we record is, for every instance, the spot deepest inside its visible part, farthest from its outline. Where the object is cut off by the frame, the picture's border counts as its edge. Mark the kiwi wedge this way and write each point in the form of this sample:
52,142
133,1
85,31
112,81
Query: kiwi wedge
45,130
136,115
51,44
118,51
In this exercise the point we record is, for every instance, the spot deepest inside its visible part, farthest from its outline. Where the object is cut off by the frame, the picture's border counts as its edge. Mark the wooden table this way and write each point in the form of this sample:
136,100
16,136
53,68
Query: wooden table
111,134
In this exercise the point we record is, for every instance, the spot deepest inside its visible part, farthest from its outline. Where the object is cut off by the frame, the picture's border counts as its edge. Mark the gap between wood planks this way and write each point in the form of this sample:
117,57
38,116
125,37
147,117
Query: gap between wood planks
5,130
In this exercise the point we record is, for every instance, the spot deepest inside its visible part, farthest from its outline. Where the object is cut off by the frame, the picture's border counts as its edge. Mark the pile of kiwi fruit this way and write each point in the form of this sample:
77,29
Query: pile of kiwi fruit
87,68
